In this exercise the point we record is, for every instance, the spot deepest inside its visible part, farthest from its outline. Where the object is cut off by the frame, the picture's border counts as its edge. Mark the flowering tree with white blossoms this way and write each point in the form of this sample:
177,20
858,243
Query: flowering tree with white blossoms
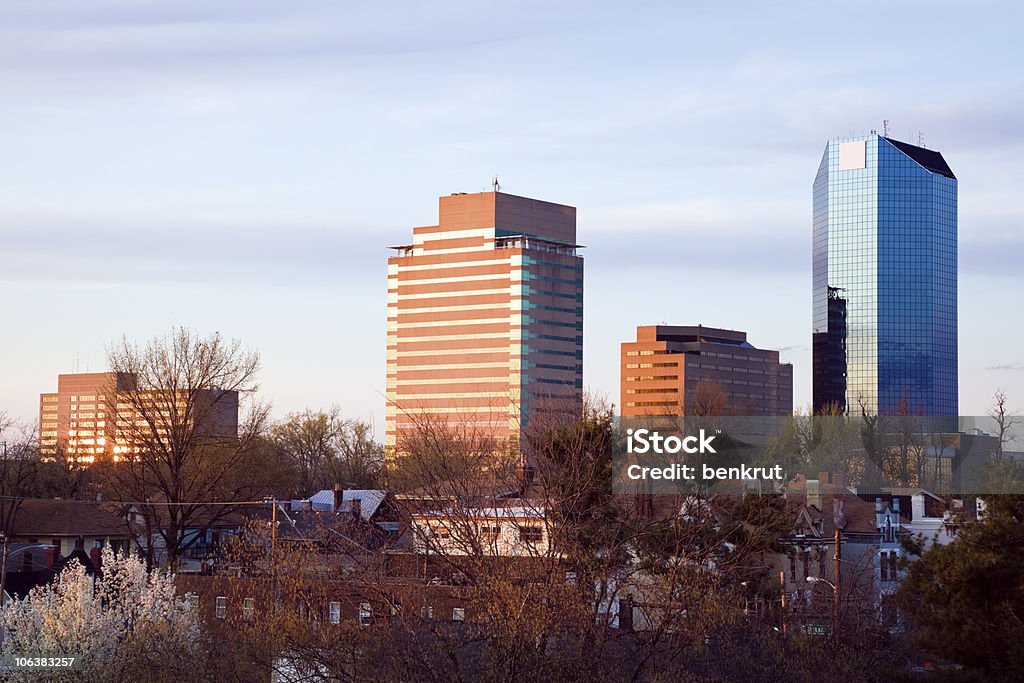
122,623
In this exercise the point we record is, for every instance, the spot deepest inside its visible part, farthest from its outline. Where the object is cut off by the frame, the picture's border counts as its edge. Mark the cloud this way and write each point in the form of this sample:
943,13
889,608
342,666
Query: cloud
701,216
49,249
788,349
998,255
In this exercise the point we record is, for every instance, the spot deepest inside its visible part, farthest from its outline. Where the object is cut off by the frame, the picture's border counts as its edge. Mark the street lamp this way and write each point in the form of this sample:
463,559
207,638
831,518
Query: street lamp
835,609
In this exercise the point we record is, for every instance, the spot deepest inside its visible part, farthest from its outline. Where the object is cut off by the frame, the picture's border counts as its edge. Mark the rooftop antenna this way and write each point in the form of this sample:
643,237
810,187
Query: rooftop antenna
496,184
885,128
920,138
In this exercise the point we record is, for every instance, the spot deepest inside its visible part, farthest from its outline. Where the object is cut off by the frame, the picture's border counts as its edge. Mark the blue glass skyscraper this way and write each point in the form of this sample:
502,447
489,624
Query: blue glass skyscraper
885,279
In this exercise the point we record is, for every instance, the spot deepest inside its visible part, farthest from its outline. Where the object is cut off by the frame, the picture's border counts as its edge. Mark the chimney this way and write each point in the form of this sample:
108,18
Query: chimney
833,481
814,493
524,475
356,508
917,507
626,613
339,496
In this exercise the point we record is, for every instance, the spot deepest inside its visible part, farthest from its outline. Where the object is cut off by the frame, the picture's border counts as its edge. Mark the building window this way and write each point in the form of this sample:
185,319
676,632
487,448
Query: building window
531,535
365,614
458,614
334,612
426,612
221,607
249,608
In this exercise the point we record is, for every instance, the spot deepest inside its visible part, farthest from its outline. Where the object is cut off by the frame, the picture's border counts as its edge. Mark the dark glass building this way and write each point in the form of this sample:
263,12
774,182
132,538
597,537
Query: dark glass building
885,279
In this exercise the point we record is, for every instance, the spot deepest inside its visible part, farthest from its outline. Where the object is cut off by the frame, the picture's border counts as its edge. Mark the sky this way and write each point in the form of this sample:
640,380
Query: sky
241,167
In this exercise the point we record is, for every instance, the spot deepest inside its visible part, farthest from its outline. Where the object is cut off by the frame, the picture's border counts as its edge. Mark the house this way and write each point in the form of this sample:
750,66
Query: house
47,534
840,543
205,534
61,524
921,513
507,528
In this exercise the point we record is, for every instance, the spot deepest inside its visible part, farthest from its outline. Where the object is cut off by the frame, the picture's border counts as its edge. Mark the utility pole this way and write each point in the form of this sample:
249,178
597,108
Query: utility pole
3,573
782,581
273,547
836,598
3,579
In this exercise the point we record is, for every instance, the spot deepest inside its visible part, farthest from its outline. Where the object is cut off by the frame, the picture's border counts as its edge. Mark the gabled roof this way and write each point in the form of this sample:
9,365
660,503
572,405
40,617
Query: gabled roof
322,500
44,517
928,158
860,515
369,501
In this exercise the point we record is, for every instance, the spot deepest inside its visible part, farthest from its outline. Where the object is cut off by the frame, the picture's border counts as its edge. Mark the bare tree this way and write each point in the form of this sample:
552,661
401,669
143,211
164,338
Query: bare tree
181,443
709,400
19,467
327,449
615,596
1005,421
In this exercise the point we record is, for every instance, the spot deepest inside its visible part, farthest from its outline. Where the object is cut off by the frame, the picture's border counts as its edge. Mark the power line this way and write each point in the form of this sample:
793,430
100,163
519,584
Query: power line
144,502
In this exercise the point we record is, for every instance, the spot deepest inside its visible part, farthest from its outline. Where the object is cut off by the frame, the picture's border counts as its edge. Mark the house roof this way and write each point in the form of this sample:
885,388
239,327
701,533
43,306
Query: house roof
497,512
860,515
45,517
369,501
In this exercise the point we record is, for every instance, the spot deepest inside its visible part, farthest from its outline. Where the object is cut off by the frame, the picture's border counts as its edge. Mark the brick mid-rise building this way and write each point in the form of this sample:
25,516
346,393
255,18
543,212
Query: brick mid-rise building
670,368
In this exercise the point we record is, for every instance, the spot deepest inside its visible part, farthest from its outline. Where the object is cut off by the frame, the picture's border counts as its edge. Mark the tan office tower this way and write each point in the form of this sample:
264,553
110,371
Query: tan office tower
485,317
93,416
77,418
677,370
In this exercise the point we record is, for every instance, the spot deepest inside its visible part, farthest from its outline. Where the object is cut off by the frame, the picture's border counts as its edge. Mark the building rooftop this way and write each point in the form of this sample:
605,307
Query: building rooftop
928,158
44,517
692,333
